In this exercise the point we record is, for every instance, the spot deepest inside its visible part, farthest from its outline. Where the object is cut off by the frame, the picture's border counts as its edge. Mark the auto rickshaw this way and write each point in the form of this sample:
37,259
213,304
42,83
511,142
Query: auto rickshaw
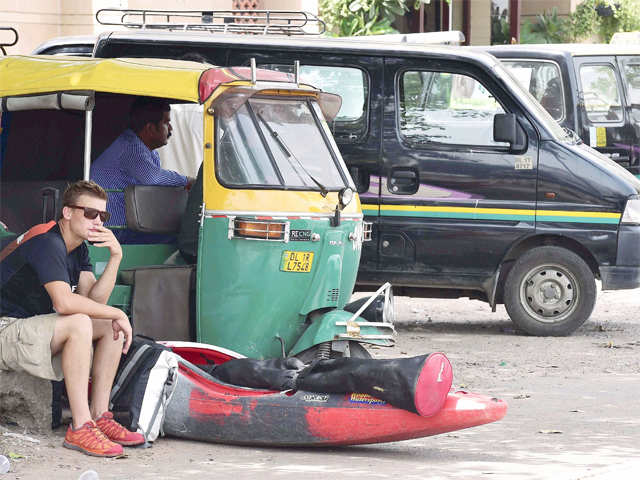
279,226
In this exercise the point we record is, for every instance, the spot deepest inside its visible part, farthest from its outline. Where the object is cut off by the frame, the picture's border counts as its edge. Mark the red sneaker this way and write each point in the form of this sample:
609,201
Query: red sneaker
116,432
90,440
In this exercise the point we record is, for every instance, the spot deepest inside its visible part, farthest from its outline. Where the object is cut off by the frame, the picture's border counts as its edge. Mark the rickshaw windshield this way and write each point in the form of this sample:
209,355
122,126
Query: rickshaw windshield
271,142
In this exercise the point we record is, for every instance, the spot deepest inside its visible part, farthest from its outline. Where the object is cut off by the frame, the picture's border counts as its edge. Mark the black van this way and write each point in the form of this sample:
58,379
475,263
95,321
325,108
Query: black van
472,188
593,90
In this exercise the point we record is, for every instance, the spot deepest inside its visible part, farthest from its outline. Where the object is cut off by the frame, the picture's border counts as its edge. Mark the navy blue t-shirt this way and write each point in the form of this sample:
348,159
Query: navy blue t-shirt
40,260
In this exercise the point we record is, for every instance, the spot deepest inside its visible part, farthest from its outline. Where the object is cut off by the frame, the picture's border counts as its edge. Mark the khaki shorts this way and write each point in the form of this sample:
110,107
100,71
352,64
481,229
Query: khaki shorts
25,345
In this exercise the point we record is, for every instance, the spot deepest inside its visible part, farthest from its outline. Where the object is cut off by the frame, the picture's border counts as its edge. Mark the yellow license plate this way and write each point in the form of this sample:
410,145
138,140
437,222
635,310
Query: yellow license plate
296,261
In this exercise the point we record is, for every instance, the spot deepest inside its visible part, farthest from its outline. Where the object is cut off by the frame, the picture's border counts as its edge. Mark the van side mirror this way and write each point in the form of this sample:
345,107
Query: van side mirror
360,178
506,129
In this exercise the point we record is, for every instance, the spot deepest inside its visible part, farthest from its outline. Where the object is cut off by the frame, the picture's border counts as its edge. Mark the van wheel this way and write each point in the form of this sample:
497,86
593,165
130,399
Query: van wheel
356,350
550,291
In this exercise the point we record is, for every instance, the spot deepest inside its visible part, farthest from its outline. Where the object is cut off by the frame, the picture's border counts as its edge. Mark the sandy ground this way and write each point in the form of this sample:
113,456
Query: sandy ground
574,411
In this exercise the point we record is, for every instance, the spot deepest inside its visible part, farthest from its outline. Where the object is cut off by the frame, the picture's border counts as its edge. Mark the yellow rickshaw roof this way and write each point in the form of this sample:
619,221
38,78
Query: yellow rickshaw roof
26,75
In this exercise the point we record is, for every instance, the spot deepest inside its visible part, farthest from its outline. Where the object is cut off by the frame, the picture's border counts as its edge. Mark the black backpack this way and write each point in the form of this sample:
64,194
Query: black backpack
144,383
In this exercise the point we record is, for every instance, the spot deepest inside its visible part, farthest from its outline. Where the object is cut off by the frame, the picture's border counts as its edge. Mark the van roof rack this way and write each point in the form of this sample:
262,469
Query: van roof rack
5,43
259,22
447,37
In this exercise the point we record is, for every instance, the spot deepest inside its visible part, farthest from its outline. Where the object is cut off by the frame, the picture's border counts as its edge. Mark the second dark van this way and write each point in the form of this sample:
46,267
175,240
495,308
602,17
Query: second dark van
472,188
593,90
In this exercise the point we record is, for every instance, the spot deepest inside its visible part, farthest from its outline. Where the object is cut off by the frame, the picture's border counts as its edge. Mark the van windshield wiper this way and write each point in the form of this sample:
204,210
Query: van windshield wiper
289,154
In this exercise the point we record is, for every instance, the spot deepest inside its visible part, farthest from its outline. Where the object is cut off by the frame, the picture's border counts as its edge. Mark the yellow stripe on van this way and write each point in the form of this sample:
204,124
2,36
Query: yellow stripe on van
569,213
510,214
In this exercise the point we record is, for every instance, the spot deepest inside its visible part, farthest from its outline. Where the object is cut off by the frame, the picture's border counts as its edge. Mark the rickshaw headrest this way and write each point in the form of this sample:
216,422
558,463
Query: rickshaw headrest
154,209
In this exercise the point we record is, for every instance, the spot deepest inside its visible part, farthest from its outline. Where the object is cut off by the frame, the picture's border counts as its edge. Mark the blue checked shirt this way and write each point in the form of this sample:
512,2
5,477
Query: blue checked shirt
128,161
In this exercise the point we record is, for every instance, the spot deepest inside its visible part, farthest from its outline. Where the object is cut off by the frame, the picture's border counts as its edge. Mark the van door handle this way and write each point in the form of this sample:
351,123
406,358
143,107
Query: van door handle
403,180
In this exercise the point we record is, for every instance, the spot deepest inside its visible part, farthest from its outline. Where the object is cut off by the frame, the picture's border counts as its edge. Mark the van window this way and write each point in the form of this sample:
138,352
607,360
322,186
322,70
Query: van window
275,143
601,93
348,82
631,69
543,81
439,107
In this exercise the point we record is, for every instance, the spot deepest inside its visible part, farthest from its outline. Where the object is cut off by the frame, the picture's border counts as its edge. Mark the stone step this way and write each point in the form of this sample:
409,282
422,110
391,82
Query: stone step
26,400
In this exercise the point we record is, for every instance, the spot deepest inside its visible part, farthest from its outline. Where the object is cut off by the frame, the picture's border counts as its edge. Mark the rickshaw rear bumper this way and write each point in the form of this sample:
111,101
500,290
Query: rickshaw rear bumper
343,325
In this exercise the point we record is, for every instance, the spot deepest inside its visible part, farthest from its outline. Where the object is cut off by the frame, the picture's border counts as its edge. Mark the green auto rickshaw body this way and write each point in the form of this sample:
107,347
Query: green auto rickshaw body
256,285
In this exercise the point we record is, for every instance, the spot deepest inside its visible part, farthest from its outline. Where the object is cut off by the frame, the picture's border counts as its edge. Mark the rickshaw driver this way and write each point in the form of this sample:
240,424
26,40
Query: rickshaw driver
52,309
132,160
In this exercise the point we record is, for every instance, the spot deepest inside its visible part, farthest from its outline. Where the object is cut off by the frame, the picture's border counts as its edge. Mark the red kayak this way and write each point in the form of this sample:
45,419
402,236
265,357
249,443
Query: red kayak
204,408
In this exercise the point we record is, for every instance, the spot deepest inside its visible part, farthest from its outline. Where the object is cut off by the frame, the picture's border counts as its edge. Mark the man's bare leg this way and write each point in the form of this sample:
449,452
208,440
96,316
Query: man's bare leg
106,356
72,336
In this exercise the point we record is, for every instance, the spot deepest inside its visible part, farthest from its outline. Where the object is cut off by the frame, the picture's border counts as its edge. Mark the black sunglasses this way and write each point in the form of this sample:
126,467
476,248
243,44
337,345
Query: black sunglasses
92,213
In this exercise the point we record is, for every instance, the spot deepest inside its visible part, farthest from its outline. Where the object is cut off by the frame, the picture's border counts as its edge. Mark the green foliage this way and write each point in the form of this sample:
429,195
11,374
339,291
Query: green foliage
599,17
345,18
583,21
500,30
624,17
528,34
550,28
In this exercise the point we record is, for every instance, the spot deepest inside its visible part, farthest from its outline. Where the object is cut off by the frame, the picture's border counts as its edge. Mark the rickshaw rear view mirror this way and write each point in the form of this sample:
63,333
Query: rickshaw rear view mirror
330,104
345,196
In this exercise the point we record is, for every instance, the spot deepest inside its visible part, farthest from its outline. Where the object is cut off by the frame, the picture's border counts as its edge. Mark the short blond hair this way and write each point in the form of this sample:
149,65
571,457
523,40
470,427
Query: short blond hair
82,187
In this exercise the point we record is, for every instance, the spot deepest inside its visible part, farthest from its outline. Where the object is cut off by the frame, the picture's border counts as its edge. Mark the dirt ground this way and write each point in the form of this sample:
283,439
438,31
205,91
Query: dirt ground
574,411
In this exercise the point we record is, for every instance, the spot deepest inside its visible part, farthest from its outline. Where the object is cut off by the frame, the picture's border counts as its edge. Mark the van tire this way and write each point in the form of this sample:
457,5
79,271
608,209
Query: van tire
550,291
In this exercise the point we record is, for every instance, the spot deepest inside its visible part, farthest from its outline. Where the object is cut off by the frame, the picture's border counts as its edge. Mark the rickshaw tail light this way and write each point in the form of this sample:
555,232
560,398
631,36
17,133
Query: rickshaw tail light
259,229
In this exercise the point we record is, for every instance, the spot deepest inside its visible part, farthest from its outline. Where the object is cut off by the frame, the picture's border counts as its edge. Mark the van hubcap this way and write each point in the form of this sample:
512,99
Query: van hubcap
549,293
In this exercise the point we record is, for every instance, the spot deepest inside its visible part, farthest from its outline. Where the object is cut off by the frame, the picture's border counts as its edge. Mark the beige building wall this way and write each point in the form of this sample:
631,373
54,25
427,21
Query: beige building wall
40,20
480,22
456,19
530,10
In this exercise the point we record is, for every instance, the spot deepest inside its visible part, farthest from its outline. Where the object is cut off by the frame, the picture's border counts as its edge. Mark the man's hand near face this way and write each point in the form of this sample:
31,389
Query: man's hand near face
100,236
100,290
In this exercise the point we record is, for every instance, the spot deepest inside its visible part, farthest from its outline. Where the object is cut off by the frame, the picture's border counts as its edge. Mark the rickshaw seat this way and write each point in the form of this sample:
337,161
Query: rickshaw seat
154,209
163,301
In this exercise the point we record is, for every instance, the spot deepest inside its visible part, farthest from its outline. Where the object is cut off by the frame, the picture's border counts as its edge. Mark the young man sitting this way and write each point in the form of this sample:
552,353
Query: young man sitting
53,311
